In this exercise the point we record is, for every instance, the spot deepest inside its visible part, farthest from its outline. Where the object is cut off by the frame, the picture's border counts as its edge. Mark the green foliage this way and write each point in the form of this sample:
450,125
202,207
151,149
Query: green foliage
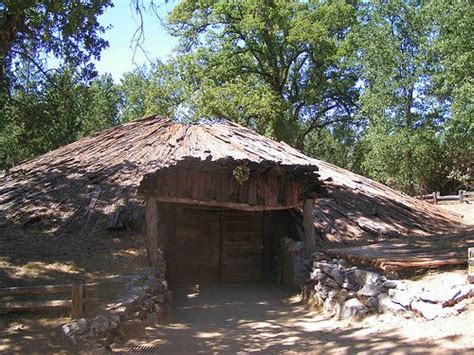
65,29
43,109
42,115
155,89
382,87
401,143
452,64
241,174
274,65
338,145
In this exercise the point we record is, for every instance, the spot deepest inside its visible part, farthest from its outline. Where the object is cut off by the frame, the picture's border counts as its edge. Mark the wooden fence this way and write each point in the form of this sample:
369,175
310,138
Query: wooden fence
76,303
435,197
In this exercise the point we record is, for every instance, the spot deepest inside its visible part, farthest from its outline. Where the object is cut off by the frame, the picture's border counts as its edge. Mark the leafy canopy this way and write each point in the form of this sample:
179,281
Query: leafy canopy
274,65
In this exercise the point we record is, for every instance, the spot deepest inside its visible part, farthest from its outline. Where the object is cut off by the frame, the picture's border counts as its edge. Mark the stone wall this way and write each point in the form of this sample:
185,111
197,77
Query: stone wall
350,292
144,300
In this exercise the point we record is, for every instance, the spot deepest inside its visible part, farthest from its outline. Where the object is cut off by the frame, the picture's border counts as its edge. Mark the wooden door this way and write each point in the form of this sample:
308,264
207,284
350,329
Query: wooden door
196,246
241,246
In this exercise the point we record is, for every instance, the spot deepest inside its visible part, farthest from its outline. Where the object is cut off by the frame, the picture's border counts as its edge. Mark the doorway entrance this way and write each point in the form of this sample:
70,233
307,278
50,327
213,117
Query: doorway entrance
211,245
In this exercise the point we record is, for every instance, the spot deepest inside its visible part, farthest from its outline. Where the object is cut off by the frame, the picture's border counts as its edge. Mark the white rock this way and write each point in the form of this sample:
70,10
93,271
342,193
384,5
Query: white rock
101,324
76,327
356,278
427,310
440,296
448,312
385,305
342,295
402,298
369,290
390,284
329,282
322,290
317,275
329,305
365,277
461,306
466,291
353,309
372,303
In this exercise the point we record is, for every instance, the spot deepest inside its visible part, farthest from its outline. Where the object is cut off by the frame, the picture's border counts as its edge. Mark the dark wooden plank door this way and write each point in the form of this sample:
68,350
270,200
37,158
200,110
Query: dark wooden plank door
241,246
196,246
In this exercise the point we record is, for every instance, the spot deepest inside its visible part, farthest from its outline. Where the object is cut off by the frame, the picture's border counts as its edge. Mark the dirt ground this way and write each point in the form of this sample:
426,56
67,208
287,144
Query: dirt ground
229,318
265,318
466,209
225,318
29,258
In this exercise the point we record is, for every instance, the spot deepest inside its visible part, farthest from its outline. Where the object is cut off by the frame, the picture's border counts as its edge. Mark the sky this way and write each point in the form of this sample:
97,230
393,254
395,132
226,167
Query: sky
119,57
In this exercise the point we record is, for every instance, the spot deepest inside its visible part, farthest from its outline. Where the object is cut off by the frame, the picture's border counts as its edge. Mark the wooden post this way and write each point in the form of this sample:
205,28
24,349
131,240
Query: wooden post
267,245
461,196
470,265
151,220
77,300
221,241
435,197
308,223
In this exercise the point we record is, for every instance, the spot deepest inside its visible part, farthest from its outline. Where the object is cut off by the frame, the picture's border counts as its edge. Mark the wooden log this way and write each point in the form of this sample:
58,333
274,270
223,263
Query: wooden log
223,204
41,290
151,217
308,223
6,307
448,198
33,305
77,298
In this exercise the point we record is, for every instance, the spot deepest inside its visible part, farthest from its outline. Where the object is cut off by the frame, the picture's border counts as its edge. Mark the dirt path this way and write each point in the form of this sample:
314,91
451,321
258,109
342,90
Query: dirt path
466,209
262,317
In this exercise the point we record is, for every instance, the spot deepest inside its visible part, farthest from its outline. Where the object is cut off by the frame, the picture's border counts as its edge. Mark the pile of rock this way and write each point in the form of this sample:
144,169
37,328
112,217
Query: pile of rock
145,300
431,303
350,292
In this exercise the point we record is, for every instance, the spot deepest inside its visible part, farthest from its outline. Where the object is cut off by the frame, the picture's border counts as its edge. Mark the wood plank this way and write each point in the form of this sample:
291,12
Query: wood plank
308,223
40,290
242,246
196,246
224,204
151,217
34,305
77,298
396,256
40,305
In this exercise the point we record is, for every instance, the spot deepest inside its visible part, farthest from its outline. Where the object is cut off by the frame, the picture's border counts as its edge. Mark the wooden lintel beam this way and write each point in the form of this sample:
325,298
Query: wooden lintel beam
224,204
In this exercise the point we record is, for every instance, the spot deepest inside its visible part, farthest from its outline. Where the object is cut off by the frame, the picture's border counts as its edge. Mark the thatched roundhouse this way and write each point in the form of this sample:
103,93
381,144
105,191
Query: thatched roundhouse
214,193
206,186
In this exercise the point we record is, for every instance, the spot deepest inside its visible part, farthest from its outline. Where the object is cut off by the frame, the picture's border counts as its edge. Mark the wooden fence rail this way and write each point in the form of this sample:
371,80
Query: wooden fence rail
76,303
462,196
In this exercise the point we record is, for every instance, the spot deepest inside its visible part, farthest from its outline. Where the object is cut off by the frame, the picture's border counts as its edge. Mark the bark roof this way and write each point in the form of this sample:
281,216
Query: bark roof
93,182
358,209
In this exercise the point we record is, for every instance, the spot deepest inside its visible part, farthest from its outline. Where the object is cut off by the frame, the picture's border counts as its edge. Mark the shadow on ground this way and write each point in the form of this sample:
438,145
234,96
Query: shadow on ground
261,317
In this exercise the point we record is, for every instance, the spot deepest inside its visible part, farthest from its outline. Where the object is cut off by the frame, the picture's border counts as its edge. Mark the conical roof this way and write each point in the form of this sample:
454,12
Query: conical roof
94,180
